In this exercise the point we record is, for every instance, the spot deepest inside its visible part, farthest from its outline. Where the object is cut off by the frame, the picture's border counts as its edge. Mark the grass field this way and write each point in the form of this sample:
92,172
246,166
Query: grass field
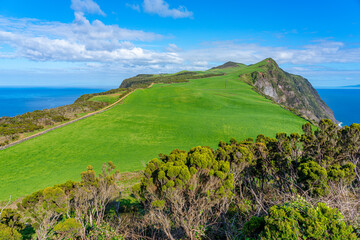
148,122
109,98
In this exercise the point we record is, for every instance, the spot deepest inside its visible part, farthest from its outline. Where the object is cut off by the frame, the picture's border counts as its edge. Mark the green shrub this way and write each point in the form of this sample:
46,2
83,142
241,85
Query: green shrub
313,177
253,227
68,228
12,218
175,171
186,190
299,220
345,173
8,233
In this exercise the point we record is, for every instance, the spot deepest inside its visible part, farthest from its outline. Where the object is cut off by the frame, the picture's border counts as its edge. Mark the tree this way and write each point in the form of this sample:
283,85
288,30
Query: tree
186,193
313,178
322,146
44,208
93,194
350,143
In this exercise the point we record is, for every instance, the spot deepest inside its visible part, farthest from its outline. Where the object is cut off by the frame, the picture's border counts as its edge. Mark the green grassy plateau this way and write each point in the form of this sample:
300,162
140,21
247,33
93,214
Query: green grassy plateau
109,98
148,122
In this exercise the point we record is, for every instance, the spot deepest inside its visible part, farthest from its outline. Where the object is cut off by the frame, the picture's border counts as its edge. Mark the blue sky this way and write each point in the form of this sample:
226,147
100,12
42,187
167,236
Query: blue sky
98,43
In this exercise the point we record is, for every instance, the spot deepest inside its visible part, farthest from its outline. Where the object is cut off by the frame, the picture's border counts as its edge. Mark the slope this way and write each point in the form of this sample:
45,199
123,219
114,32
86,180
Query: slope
150,121
293,92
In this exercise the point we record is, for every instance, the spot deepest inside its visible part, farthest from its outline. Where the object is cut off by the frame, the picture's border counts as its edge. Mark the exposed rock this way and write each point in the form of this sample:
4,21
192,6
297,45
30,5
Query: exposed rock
292,91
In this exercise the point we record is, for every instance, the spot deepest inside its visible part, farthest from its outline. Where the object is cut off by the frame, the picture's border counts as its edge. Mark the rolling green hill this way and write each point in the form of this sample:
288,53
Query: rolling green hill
148,122
291,91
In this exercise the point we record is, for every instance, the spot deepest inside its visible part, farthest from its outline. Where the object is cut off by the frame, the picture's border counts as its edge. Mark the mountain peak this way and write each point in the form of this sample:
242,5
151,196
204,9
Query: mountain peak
271,62
267,62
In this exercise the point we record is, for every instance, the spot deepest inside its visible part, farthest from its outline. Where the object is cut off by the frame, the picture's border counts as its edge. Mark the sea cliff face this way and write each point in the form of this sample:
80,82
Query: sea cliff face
292,91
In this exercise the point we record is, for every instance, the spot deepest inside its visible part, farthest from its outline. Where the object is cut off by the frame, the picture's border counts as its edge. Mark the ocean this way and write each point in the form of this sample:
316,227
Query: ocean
15,101
345,103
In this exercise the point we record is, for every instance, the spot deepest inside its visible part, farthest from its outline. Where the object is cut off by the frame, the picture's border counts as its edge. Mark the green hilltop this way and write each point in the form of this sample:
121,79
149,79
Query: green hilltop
291,91
202,108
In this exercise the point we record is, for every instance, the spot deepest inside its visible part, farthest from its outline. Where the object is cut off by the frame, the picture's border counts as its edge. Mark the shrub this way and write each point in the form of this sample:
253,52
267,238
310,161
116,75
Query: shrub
345,173
8,233
12,218
68,228
313,177
299,220
186,190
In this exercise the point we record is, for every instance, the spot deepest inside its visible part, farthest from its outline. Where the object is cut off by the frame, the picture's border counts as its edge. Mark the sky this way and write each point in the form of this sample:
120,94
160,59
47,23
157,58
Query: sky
98,43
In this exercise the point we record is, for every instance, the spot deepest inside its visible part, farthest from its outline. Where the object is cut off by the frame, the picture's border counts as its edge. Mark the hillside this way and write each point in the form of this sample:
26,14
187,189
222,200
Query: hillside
291,91
148,122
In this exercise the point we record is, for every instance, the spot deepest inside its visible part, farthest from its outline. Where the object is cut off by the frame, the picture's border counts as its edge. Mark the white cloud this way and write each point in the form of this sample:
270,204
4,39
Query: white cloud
85,41
97,47
81,41
135,7
318,52
162,8
80,30
173,48
46,49
86,6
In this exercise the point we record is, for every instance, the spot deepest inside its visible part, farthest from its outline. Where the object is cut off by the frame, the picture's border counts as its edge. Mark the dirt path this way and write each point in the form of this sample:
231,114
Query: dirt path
72,121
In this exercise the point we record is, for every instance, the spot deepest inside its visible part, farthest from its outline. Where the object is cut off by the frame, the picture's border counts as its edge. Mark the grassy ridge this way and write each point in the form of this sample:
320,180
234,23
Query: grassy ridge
150,121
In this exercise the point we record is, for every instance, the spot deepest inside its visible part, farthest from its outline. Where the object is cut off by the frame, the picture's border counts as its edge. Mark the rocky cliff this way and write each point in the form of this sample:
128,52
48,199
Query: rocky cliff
292,91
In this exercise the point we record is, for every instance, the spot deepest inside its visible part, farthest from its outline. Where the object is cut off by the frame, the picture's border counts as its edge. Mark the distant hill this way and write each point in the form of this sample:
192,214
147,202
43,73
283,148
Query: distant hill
229,65
352,86
267,78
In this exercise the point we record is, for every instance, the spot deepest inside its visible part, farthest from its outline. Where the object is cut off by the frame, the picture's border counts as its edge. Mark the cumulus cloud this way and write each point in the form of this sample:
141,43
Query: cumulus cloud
81,40
81,29
135,7
85,41
110,48
315,53
46,49
162,8
86,6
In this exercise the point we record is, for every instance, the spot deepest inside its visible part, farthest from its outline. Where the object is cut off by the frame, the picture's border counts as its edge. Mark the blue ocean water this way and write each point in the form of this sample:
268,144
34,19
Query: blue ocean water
344,102
15,101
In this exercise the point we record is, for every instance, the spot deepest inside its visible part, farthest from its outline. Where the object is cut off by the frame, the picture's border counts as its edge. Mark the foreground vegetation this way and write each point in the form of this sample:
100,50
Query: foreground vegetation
288,187
149,121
